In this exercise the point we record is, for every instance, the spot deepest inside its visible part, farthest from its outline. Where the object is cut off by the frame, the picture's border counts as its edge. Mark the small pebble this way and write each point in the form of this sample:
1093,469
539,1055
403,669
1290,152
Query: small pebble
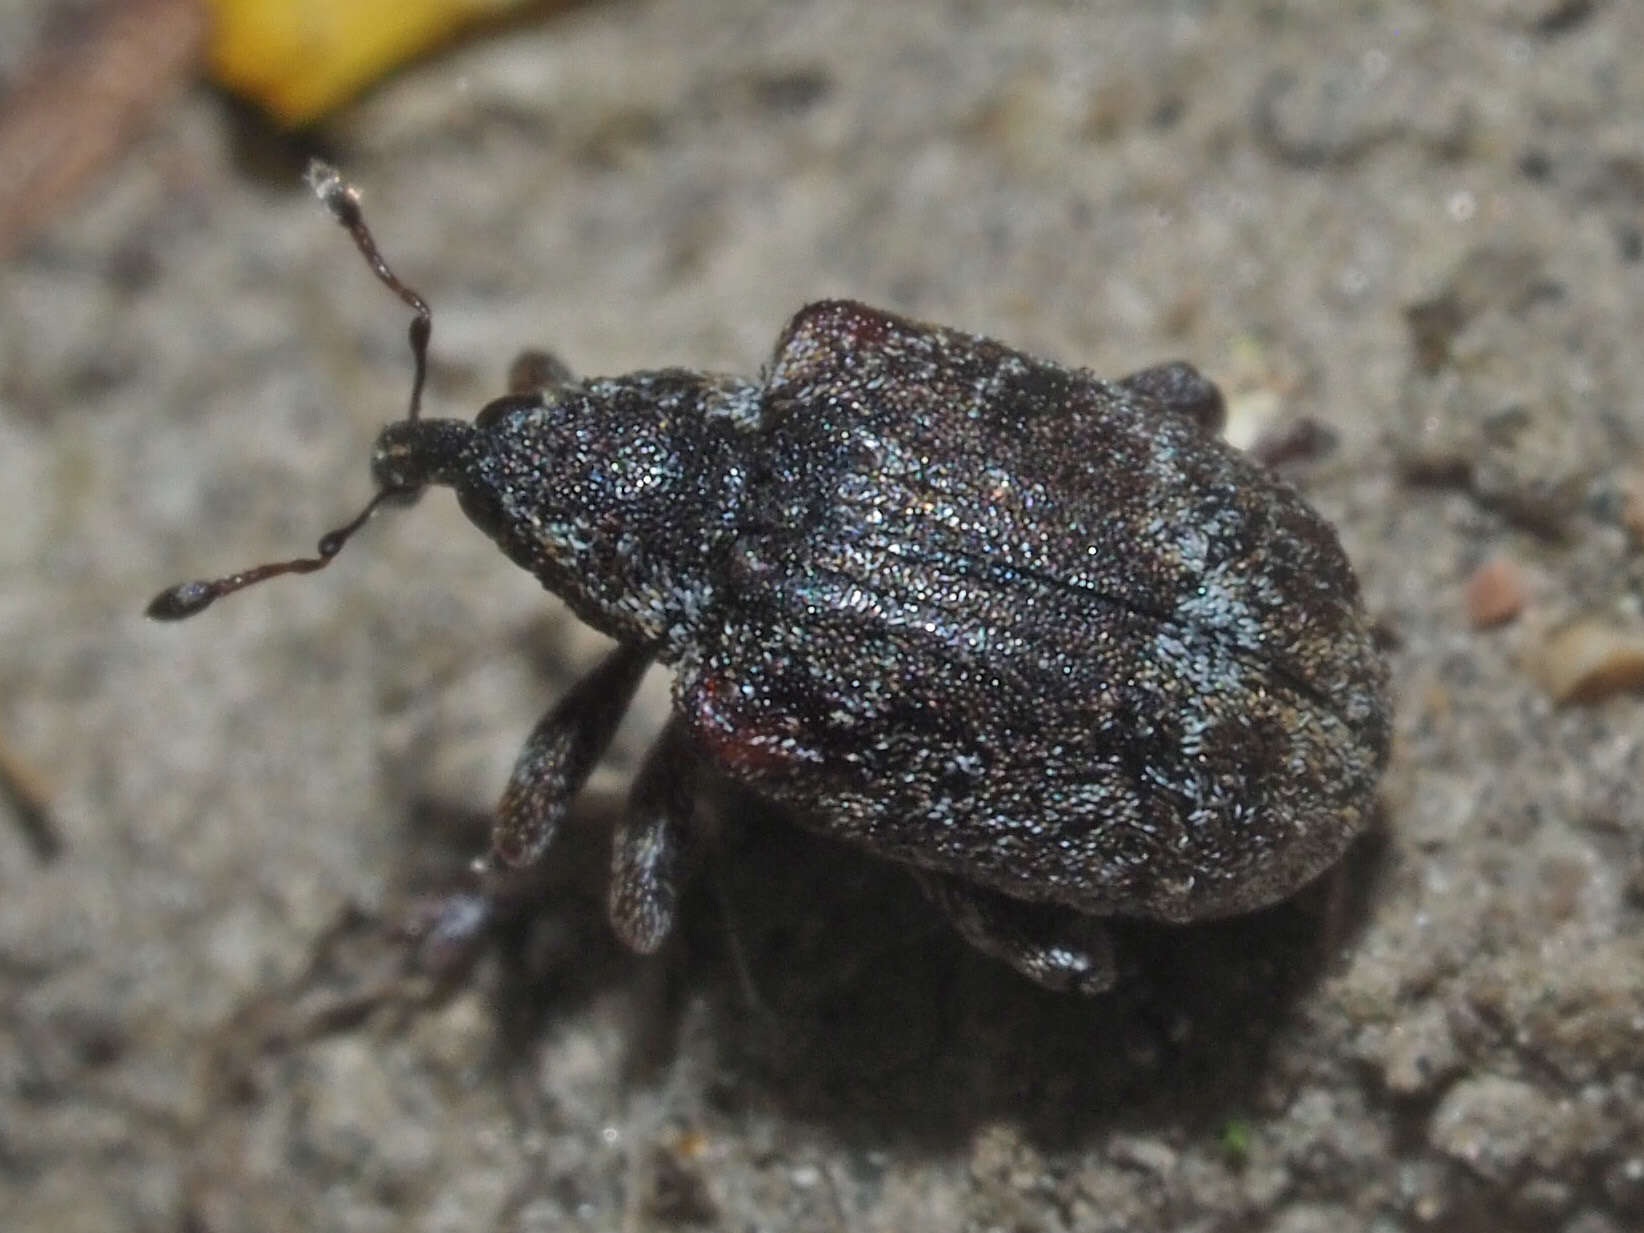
1588,660
1490,1124
1419,1053
1495,593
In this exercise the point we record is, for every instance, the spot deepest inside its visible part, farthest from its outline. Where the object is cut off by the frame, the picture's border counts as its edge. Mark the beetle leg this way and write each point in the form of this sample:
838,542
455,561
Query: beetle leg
1050,945
1181,389
560,753
653,843
539,372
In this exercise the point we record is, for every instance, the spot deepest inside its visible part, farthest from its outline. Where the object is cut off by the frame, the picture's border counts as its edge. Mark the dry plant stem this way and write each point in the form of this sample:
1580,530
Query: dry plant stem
29,802
84,101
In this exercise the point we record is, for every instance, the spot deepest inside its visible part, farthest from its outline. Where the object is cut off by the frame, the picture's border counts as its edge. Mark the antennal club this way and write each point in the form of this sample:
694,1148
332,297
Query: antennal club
343,200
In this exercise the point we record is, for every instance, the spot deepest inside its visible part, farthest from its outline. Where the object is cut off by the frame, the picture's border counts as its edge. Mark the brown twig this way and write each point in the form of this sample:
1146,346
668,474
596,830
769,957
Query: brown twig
30,803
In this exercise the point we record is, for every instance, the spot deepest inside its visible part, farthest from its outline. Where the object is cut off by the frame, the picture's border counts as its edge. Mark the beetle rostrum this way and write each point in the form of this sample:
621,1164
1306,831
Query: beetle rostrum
1041,638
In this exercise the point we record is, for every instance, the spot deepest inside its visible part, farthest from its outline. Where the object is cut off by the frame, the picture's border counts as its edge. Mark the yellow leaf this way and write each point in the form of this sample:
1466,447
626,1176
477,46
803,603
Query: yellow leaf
298,59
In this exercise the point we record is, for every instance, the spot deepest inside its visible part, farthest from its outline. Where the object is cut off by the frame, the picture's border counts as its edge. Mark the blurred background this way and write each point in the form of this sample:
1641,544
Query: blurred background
1414,230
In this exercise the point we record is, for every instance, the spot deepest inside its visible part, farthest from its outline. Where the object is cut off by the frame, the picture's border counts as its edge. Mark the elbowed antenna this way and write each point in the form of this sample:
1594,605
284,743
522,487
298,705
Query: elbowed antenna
343,201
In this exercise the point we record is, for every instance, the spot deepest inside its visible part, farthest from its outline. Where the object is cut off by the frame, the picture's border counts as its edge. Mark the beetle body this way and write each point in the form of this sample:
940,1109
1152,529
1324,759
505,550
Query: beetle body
1041,637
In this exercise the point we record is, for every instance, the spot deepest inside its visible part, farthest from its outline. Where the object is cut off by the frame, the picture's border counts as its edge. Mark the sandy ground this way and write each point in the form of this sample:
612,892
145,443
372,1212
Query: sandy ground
206,1022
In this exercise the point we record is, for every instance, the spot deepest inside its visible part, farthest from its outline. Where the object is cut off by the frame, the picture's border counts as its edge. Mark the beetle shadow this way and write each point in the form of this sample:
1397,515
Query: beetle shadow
545,932
836,993
849,1001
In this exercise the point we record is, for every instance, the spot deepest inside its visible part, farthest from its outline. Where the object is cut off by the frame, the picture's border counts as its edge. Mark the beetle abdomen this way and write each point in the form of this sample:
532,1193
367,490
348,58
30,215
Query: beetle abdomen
1067,646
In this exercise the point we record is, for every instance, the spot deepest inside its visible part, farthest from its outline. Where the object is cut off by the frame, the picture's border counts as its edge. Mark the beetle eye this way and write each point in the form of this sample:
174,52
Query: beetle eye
497,408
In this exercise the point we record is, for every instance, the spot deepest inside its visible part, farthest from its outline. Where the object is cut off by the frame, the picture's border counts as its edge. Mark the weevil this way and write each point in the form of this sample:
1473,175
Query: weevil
1041,638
